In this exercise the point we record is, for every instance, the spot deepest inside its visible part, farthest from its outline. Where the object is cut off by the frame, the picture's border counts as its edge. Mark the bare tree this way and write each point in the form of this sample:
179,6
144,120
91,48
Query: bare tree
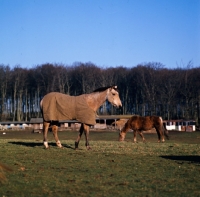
47,77
87,77
145,89
63,78
186,89
150,85
18,80
169,87
4,80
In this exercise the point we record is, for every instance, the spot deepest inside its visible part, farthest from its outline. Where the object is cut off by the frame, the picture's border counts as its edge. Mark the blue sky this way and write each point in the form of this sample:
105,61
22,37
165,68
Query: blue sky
104,32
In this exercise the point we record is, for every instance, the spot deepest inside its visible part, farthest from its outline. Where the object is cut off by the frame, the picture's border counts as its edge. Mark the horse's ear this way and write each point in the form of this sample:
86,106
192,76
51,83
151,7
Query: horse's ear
113,87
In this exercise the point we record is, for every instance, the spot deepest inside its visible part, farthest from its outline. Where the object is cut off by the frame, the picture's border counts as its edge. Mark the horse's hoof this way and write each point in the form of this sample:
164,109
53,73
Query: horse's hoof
76,145
76,148
46,146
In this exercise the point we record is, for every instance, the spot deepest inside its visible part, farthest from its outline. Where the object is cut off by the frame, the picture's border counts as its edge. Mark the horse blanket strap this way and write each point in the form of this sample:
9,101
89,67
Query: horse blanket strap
58,106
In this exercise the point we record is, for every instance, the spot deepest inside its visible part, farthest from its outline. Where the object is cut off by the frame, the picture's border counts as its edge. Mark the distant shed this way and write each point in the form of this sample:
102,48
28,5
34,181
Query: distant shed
181,125
101,122
16,125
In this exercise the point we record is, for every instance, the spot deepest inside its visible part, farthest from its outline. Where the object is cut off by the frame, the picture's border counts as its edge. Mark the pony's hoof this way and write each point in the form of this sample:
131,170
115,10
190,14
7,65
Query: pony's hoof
59,144
88,148
60,147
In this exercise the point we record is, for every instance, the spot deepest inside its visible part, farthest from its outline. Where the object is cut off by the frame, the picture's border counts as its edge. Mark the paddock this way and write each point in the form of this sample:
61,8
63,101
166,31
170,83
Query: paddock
111,168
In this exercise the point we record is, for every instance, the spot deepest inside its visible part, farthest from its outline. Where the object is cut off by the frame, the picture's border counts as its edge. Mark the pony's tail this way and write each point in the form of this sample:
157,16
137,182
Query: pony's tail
164,129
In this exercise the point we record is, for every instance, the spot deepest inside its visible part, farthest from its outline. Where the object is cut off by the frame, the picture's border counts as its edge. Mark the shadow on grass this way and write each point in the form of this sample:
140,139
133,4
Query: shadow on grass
188,158
34,144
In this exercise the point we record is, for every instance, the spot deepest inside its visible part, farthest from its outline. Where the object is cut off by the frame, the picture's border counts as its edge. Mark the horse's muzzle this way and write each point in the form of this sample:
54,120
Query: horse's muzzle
118,106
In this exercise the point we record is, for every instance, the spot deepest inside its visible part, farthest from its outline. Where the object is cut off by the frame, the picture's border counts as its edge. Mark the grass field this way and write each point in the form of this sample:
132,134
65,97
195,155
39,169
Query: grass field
111,168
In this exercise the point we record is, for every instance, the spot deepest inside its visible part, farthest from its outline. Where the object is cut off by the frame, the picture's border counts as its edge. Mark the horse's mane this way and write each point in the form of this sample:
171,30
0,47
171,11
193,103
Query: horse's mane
105,88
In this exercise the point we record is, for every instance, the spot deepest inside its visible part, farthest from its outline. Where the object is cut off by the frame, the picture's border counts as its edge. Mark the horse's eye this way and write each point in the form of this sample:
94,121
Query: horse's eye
113,94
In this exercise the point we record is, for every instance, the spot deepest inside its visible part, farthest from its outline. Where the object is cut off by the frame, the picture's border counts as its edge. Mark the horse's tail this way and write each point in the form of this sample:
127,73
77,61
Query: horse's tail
41,107
165,131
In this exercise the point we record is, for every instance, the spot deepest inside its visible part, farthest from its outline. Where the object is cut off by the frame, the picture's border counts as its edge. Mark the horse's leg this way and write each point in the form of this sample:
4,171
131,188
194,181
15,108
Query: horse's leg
55,134
79,136
86,132
45,131
142,136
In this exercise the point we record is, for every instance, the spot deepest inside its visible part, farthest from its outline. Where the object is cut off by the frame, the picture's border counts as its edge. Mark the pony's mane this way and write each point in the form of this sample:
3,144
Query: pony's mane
105,88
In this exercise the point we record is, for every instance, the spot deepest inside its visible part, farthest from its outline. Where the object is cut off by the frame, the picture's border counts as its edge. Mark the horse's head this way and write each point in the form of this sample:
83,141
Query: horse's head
113,96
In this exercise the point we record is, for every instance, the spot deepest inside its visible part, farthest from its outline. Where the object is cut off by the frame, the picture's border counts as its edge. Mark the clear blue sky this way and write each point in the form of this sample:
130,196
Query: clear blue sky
104,32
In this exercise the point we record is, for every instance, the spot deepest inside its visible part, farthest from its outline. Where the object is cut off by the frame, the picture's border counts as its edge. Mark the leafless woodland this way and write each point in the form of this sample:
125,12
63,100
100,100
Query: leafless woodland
147,89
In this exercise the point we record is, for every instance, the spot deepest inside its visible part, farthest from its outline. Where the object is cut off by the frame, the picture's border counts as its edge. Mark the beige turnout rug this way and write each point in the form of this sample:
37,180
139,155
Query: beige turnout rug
57,106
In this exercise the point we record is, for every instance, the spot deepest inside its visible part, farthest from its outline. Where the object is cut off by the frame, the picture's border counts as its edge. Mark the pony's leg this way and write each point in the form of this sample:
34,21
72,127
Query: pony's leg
142,136
79,136
45,131
160,134
134,136
55,134
86,132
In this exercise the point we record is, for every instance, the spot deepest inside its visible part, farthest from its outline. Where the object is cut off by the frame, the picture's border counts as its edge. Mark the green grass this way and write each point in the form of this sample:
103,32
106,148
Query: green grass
111,168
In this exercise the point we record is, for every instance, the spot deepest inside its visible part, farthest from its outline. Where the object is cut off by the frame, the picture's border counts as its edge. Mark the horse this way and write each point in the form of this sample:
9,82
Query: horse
140,123
57,106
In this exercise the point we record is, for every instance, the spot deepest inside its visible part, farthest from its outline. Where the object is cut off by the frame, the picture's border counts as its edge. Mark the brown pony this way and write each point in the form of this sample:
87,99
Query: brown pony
56,107
139,124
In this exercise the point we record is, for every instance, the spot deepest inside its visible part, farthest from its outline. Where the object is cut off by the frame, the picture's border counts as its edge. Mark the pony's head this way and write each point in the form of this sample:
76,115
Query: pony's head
121,135
113,96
